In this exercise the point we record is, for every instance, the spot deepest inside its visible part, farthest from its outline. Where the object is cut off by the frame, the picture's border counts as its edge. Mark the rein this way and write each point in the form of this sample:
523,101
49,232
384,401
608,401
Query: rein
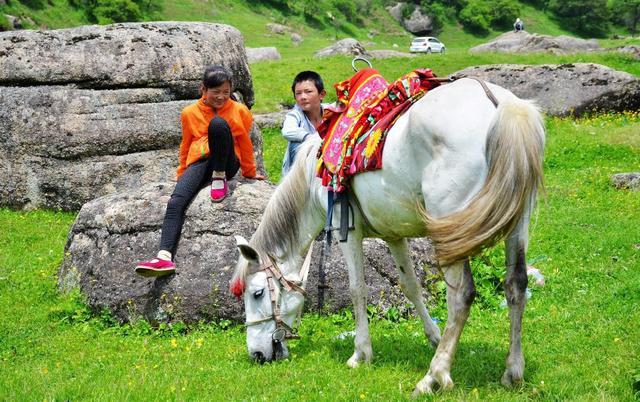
283,330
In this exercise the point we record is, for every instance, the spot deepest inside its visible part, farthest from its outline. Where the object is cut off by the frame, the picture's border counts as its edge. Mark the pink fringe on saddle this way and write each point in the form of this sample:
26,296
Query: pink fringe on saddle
237,287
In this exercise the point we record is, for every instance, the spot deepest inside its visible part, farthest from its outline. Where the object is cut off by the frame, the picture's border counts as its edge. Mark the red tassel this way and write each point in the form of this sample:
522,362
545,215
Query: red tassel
237,288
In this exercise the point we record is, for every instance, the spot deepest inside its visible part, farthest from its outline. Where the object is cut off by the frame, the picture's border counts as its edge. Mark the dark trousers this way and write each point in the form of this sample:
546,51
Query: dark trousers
195,177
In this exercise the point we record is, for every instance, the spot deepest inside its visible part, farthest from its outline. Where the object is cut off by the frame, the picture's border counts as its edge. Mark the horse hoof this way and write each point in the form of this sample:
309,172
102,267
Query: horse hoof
511,380
353,363
434,341
429,384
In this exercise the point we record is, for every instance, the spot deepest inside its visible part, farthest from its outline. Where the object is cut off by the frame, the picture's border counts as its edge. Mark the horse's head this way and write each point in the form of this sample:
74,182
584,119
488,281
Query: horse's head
272,302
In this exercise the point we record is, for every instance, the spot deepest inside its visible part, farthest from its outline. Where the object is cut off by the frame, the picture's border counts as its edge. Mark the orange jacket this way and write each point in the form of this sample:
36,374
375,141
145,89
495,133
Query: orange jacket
195,120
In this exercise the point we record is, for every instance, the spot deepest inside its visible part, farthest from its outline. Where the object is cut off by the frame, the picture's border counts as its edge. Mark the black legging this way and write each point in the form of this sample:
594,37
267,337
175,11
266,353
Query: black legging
195,177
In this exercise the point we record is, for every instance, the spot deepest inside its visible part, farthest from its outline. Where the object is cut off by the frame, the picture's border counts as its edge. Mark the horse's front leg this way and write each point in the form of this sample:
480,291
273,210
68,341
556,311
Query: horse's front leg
515,286
352,251
411,287
460,294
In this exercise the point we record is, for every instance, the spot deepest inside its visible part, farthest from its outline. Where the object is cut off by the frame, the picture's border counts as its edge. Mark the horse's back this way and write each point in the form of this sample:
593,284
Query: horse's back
434,158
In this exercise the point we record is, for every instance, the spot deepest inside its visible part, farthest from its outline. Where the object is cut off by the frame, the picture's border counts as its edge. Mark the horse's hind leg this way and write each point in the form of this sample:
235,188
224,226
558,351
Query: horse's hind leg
411,287
460,294
515,286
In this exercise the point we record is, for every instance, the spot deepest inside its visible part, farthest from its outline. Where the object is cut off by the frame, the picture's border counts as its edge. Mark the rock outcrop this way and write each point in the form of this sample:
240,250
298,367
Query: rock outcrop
347,46
566,89
630,181
417,23
270,120
633,50
278,29
296,39
114,232
386,54
94,110
256,54
524,42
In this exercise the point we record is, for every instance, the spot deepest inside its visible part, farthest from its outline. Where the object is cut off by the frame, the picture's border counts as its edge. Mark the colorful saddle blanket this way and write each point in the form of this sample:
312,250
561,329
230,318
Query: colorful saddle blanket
354,130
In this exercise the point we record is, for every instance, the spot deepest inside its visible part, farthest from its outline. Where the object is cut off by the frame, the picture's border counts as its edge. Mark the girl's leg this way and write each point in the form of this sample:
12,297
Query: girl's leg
192,180
223,157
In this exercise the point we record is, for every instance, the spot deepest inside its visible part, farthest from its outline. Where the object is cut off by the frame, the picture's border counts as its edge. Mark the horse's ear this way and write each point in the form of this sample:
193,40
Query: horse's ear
247,251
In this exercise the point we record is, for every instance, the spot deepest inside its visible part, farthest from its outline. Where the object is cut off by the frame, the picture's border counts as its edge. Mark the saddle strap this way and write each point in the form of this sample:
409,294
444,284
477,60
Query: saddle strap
487,91
451,78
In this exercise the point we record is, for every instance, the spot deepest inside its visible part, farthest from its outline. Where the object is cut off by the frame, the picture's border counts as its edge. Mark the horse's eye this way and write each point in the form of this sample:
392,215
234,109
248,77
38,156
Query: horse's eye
258,294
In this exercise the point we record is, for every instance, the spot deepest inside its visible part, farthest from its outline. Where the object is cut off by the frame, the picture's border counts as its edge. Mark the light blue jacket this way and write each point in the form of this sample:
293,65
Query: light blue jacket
296,128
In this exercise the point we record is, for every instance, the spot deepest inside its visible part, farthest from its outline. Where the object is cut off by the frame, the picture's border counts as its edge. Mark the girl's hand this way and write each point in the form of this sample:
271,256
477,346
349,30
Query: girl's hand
258,177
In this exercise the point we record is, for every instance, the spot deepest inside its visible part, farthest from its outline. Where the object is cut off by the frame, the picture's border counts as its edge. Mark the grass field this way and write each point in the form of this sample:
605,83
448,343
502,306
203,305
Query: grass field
581,330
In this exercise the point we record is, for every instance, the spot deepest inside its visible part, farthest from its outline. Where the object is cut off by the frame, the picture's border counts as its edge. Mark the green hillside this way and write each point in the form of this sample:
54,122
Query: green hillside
373,26
328,19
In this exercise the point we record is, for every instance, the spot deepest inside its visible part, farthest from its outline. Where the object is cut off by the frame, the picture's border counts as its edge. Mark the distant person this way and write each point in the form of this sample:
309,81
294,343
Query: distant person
518,25
301,122
215,145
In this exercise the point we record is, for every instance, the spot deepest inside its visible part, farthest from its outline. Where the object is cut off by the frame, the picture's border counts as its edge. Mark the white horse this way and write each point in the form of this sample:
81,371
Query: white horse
455,168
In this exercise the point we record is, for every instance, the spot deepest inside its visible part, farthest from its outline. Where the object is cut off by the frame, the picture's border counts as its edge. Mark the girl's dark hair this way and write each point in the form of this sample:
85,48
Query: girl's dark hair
308,76
214,76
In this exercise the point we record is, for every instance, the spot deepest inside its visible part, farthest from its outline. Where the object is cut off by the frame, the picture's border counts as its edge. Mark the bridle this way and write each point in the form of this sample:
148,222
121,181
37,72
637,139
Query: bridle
283,330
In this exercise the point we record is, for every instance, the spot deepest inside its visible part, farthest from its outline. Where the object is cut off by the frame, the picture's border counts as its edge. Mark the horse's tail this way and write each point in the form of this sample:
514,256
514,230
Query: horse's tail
514,152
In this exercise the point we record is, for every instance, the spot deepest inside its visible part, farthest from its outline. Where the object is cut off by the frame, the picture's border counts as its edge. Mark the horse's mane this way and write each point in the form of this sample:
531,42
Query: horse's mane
278,230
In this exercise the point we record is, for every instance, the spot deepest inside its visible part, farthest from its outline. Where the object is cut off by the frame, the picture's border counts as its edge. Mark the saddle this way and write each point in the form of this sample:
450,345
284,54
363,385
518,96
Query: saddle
354,130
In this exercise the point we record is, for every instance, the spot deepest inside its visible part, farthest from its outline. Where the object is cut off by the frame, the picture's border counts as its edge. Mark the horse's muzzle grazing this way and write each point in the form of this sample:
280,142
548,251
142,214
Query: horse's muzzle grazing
258,357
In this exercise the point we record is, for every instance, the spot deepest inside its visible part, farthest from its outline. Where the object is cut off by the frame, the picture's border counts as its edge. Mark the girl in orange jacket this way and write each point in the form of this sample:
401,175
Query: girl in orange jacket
215,144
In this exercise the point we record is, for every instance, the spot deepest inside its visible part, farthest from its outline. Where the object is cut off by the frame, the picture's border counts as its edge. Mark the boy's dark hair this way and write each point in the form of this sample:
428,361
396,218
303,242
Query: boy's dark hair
308,76
214,76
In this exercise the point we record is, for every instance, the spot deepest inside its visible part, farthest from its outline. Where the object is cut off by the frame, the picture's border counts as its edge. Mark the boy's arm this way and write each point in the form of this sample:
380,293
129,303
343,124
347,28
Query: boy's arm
185,144
291,129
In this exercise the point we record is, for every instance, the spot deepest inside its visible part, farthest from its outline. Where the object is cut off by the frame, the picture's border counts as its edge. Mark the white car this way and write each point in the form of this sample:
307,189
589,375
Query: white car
426,44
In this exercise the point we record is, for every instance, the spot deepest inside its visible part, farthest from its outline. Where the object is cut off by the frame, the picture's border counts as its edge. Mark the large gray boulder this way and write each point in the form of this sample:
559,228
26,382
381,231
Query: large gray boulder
417,23
347,46
168,55
94,110
524,42
114,232
566,89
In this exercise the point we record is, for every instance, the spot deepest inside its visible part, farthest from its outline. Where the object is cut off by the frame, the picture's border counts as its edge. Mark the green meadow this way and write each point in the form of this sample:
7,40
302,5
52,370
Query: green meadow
581,335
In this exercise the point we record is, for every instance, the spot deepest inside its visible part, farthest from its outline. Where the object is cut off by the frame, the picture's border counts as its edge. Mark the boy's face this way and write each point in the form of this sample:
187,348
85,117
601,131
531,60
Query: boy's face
307,96
217,96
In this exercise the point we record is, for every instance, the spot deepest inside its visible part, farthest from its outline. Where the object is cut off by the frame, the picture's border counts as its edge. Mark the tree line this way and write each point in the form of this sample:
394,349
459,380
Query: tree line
584,17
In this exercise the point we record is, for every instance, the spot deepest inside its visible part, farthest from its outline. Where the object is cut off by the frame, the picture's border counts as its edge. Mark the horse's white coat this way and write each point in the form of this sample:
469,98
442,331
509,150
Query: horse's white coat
434,163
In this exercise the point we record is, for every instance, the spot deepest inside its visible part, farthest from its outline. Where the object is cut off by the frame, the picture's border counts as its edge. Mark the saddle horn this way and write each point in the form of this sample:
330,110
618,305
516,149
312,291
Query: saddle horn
359,58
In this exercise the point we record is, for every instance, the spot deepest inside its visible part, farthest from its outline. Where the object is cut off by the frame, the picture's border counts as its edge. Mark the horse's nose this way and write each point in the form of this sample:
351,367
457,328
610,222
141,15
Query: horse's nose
258,357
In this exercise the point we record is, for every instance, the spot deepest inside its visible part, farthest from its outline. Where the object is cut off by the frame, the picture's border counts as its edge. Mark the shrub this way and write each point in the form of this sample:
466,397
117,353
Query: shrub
347,9
5,24
587,17
505,13
438,14
407,9
110,11
626,12
476,16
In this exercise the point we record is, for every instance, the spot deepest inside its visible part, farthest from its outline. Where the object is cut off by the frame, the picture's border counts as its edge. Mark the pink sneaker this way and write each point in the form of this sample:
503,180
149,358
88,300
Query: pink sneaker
156,267
218,189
